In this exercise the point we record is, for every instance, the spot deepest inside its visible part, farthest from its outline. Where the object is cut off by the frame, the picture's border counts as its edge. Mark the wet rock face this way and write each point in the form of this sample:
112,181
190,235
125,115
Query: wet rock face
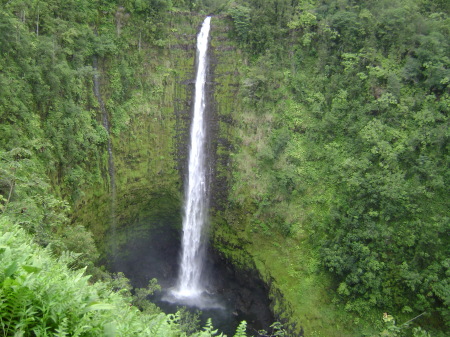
150,255
247,296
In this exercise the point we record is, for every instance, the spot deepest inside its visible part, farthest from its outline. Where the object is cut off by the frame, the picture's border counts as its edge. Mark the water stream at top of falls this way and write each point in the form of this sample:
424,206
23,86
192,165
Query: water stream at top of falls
196,201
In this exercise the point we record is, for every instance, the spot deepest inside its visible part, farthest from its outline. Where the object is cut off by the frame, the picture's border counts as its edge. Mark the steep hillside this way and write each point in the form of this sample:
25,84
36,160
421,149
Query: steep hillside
329,151
340,162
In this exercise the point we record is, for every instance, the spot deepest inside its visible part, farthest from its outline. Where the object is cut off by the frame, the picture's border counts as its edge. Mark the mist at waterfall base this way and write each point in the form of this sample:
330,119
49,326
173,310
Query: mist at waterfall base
155,254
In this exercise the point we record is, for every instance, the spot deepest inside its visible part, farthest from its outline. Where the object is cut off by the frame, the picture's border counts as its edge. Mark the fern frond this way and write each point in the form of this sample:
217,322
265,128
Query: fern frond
241,330
209,330
62,330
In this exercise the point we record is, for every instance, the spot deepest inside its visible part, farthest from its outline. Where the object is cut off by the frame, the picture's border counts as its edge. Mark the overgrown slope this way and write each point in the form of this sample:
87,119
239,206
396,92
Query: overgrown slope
332,145
339,183
41,296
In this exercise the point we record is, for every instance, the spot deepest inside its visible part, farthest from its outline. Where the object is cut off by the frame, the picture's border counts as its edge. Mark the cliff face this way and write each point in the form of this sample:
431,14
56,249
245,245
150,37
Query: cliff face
149,150
150,158
137,227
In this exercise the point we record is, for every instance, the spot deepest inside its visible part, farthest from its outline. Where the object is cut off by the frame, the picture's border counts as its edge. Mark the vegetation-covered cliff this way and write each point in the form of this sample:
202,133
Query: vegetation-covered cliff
340,171
330,147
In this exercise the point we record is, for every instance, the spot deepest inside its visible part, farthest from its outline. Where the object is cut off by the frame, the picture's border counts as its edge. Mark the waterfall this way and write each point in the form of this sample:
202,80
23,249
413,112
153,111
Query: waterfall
196,201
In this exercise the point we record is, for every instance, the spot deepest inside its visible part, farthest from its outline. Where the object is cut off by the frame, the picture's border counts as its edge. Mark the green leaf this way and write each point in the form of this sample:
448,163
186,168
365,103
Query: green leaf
110,329
100,306
31,269
11,269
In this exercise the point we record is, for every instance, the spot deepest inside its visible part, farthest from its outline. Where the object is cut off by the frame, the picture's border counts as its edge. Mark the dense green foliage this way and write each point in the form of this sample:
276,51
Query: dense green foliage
41,296
338,143
54,159
54,138
345,141
50,141
53,132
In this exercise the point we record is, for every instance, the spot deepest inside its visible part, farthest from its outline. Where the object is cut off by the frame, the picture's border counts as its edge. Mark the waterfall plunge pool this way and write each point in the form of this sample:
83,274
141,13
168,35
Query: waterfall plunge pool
152,250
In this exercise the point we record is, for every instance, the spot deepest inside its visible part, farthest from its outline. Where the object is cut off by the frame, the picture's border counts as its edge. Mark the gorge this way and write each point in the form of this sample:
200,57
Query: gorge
205,280
326,176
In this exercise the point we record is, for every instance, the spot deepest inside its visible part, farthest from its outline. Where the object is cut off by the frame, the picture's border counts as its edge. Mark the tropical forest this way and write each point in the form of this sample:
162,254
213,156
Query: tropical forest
240,168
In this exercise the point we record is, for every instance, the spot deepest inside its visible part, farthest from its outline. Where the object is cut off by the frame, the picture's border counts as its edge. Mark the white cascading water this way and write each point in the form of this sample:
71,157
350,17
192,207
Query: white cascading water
196,203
